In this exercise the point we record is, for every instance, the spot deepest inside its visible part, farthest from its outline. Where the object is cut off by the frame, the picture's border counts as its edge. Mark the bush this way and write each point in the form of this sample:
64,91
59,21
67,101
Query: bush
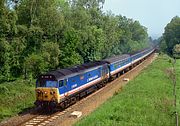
176,51
4,90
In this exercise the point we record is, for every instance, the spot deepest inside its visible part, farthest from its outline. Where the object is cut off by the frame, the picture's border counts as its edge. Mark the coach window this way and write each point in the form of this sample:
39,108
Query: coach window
61,83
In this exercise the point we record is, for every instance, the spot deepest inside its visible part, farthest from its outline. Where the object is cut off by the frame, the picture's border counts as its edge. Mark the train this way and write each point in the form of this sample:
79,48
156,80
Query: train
63,87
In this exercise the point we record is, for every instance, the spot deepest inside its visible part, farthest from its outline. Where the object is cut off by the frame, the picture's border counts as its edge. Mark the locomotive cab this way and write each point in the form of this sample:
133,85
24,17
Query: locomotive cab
47,92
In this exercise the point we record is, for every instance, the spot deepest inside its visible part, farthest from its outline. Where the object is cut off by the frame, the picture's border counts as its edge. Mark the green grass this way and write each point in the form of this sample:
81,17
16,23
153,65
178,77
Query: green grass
15,97
145,101
178,86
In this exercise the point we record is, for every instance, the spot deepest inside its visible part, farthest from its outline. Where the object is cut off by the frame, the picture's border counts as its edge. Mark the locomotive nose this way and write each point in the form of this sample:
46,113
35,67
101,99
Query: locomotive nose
47,94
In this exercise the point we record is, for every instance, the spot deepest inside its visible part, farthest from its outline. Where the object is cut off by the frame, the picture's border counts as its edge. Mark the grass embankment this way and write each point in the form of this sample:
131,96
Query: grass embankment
178,86
145,101
15,97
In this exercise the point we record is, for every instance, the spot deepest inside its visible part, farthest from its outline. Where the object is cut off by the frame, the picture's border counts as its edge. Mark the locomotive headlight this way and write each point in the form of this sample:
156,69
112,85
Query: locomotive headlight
45,92
38,91
52,92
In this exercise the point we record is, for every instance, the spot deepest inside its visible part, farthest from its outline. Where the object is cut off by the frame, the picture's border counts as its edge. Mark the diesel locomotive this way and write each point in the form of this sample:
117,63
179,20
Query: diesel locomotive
63,87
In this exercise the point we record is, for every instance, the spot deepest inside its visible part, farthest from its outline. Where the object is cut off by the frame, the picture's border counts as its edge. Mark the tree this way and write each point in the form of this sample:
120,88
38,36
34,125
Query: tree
4,24
176,51
171,34
44,14
98,4
112,34
34,39
37,36
50,52
70,44
34,65
4,60
16,56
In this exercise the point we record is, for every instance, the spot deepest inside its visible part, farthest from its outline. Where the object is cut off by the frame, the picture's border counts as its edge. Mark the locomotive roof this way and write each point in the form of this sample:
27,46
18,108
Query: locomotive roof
61,73
116,58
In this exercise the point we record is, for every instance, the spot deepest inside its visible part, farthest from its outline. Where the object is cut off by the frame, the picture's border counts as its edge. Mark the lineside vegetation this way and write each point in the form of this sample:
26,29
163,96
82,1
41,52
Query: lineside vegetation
37,36
146,100
16,97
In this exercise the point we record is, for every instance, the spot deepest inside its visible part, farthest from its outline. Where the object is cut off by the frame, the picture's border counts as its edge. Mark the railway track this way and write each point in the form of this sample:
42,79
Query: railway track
43,119
86,105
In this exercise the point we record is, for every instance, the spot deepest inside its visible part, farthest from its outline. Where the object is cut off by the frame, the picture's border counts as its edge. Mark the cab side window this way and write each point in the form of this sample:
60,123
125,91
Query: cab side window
61,83
65,82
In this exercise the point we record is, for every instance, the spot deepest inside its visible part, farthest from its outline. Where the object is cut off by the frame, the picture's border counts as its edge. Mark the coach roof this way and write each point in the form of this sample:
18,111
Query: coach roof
116,58
61,73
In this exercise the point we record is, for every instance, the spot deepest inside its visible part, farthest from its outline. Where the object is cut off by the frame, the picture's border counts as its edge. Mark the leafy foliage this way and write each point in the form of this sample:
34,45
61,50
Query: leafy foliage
20,95
171,34
38,36
176,51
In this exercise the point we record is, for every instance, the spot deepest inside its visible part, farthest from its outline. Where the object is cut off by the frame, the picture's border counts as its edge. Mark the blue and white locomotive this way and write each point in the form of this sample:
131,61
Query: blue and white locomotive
64,86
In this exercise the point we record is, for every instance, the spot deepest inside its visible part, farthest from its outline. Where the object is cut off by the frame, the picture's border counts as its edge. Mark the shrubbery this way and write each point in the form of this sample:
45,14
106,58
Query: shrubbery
38,36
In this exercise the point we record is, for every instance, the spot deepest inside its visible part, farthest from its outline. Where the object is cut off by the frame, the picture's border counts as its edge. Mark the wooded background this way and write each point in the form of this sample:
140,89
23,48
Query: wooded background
41,35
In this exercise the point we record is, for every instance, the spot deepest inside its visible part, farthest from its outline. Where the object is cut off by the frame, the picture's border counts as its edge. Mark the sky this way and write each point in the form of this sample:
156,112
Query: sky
153,14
